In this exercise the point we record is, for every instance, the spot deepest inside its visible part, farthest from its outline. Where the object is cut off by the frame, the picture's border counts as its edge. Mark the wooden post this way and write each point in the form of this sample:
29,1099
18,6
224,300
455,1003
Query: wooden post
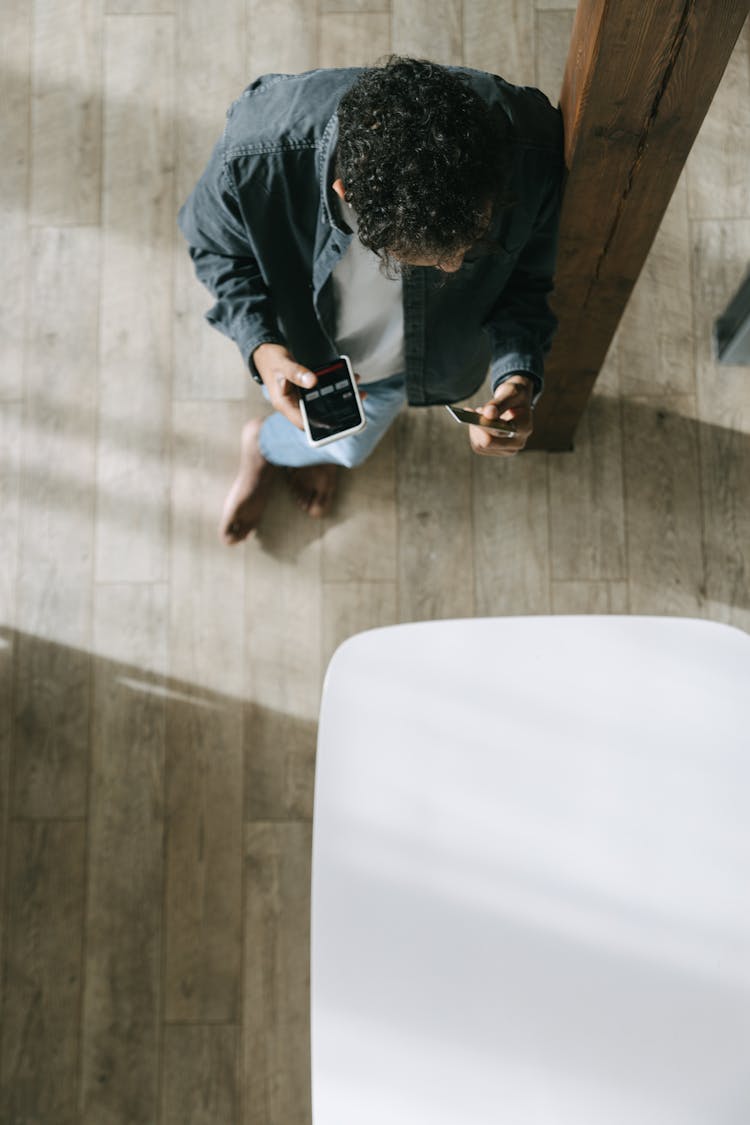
639,79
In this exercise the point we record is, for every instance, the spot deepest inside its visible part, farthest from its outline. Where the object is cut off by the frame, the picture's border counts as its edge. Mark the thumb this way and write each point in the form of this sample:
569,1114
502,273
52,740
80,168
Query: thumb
508,389
511,395
293,372
285,368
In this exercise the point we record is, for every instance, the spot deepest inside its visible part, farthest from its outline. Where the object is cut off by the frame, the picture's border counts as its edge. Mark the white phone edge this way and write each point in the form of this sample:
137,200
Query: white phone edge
344,433
463,422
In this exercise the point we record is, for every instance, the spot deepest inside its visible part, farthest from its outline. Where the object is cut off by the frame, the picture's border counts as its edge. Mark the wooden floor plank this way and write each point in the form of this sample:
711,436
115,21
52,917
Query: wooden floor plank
204,870
434,495
353,607
207,365
207,580
11,431
56,529
428,29
553,30
348,6
276,1017
589,597
201,1081
663,507
123,994
655,337
587,515
498,36
10,444
511,535
40,1032
204,724
66,112
354,38
135,307
15,98
282,661
718,183
7,642
721,252
139,7
359,541
285,44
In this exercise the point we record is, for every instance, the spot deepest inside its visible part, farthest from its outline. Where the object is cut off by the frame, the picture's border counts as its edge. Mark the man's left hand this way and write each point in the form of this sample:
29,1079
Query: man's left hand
510,403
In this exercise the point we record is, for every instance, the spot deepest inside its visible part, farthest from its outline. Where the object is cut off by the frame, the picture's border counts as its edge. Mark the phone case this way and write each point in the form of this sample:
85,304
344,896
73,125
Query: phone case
343,433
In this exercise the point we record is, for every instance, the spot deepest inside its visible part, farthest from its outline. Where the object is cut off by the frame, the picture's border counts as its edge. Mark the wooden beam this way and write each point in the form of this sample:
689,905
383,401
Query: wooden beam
639,79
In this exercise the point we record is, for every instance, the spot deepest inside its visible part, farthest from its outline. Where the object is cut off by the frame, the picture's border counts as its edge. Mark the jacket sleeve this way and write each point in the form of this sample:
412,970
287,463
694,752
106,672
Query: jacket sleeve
222,256
521,324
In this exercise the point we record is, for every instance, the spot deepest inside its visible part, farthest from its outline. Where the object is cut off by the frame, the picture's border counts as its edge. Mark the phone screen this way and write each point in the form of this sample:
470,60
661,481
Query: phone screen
331,405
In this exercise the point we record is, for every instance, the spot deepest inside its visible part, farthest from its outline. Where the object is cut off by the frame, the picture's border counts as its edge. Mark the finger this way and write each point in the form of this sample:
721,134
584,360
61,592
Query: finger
292,415
293,373
509,396
480,439
512,394
497,447
485,442
287,403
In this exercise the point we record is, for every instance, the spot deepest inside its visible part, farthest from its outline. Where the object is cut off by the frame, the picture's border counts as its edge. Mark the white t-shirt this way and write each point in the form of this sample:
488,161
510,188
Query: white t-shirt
369,310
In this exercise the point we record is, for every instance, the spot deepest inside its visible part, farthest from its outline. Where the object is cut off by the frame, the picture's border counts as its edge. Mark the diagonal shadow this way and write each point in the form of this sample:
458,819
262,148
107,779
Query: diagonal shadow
686,484
131,869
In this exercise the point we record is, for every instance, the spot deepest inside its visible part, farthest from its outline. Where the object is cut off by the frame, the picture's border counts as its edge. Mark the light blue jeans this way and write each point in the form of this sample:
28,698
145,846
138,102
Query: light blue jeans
281,443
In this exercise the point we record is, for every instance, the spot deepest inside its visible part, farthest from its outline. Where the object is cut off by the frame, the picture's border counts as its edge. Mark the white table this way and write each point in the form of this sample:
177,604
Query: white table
531,875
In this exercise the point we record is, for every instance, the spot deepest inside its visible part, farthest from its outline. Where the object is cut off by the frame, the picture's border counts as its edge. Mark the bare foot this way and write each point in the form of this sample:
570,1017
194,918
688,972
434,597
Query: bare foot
313,487
248,495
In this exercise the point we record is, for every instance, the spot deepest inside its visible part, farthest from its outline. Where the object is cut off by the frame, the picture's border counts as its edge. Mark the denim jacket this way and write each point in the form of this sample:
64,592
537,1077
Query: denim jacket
264,236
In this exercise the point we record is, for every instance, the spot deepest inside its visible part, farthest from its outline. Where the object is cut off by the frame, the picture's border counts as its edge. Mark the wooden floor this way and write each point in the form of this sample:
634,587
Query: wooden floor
159,692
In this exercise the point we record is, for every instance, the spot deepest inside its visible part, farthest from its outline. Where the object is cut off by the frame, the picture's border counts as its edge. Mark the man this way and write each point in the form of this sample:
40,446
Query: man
405,215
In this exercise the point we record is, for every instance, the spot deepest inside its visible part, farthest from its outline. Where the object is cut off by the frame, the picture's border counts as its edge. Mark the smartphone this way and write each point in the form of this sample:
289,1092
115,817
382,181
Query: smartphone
474,418
332,409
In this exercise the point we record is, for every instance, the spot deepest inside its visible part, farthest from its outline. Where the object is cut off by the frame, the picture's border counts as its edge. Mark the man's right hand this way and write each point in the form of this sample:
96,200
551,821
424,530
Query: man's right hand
283,376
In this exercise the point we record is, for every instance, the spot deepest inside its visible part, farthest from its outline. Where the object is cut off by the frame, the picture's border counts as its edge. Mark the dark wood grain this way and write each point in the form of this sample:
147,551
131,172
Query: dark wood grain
201,1080
276,1014
40,1042
50,729
638,83
124,931
663,507
204,860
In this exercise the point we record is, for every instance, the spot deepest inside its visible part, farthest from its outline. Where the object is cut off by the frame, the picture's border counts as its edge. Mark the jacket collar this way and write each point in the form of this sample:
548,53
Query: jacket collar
327,171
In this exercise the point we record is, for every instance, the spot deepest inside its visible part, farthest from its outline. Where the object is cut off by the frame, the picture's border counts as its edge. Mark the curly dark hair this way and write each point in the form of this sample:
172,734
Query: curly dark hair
421,156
